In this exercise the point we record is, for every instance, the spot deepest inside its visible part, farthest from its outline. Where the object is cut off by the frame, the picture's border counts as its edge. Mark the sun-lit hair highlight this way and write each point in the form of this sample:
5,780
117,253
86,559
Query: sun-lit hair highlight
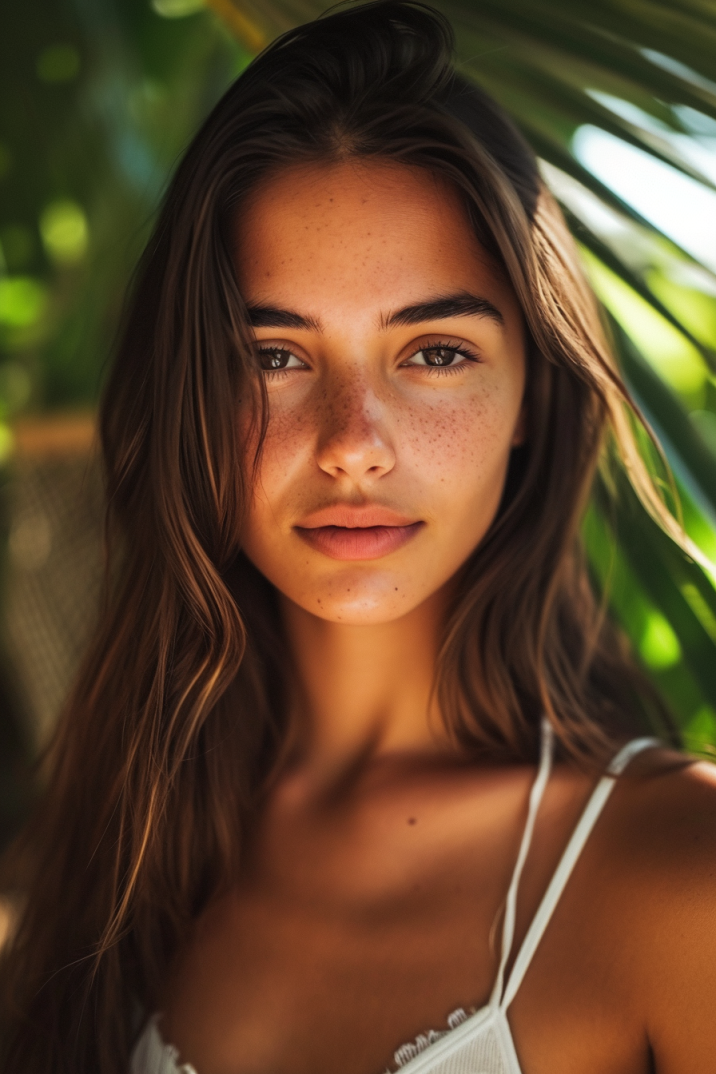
178,714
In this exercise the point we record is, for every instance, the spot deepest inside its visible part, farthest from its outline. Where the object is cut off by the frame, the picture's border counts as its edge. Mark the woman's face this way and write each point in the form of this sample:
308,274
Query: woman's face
394,357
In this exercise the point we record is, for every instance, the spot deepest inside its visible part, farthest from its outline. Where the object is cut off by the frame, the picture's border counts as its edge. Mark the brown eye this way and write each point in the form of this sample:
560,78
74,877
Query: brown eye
277,358
439,355
273,359
442,356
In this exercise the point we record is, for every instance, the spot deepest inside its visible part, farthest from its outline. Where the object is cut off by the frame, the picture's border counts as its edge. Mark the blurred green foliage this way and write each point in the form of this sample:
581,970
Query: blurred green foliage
100,96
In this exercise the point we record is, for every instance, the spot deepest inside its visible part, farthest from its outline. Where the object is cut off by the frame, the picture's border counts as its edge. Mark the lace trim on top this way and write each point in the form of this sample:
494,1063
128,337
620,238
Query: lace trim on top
406,1052
173,1057
169,1053
401,1057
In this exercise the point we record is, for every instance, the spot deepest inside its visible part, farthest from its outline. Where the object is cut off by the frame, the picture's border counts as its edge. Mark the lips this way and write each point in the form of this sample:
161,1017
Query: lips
353,533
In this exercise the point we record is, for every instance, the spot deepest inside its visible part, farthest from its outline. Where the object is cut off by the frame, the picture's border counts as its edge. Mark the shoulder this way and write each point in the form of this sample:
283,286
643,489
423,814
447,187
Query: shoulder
652,853
660,838
663,817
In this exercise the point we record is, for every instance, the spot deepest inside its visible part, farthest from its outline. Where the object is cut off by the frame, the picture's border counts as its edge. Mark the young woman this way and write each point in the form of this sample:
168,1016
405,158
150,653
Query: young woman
336,775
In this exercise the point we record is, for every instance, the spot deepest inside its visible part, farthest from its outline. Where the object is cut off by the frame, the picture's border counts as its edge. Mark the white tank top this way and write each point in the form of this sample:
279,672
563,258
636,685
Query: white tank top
479,1043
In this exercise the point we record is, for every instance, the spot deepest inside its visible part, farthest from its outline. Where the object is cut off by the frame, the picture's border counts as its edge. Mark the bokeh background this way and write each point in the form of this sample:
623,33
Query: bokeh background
98,100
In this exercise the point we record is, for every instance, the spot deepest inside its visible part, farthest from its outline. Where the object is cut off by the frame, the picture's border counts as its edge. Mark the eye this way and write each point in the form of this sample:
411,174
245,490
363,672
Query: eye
436,356
440,355
277,359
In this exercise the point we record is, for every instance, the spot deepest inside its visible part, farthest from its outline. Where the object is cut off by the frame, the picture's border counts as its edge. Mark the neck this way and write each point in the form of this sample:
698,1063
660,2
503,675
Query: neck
364,691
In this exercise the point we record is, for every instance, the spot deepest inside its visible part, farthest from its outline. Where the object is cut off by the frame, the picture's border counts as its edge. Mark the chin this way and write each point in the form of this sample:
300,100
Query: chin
355,603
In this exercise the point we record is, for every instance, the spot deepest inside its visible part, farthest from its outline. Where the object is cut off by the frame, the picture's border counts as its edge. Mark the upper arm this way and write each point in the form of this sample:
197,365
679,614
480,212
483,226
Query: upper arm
676,918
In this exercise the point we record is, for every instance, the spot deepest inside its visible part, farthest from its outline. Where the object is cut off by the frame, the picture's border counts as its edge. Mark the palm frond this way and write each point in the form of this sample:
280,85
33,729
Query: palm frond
640,73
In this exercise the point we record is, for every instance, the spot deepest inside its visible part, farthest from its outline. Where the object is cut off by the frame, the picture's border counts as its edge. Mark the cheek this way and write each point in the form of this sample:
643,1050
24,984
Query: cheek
460,447
288,444
451,452
287,434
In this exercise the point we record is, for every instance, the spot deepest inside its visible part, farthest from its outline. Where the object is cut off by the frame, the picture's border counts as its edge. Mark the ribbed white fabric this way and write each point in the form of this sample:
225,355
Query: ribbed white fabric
481,1043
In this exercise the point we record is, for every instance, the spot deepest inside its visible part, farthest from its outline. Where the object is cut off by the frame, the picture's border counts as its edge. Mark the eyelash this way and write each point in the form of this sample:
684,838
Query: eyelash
274,374
434,370
446,345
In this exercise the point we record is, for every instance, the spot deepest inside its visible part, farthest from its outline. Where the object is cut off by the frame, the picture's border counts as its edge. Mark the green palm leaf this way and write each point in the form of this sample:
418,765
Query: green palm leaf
641,72
628,69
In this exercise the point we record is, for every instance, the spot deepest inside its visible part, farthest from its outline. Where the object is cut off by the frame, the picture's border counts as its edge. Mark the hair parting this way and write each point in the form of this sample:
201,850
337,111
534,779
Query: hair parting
177,717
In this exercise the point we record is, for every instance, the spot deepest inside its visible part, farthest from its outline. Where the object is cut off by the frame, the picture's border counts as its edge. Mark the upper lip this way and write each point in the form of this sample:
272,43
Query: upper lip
350,516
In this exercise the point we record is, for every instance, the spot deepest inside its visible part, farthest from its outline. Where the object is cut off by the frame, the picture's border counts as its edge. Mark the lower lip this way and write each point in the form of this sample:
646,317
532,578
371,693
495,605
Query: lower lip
369,542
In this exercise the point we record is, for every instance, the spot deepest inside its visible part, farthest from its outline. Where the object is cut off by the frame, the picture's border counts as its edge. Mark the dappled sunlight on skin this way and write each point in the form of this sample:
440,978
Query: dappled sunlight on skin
375,876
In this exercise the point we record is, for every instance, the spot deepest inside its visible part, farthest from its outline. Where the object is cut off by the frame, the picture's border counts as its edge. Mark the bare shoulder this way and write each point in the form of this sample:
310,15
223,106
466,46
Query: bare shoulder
653,851
664,814
660,842
660,838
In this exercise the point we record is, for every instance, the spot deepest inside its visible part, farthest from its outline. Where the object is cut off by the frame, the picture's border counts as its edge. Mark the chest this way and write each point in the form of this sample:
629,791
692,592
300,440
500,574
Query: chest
341,945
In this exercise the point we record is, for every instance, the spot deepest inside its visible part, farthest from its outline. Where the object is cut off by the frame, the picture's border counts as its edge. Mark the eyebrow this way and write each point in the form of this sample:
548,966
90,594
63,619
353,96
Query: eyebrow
273,317
461,304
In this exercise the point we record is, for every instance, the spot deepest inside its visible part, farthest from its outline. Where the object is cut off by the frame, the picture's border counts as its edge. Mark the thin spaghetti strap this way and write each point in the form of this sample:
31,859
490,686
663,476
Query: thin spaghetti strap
574,848
536,793
626,753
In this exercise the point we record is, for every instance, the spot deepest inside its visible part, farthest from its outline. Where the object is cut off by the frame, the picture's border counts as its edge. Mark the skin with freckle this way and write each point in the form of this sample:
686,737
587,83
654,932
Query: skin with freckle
354,420
374,876
288,792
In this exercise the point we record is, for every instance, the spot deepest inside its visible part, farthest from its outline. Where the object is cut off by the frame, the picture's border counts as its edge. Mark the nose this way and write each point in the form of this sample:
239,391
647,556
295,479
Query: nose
354,439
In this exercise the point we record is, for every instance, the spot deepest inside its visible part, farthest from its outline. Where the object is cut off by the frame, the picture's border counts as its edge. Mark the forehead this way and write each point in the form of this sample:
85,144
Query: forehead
356,234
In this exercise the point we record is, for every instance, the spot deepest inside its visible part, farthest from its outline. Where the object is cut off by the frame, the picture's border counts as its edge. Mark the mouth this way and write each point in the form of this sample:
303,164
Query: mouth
352,533
358,542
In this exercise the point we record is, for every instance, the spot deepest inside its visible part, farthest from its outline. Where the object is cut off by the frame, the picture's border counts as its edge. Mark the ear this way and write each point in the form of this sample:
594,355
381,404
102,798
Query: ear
520,434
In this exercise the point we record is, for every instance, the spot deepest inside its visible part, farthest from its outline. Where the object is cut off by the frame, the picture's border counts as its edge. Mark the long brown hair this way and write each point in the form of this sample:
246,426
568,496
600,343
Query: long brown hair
178,715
